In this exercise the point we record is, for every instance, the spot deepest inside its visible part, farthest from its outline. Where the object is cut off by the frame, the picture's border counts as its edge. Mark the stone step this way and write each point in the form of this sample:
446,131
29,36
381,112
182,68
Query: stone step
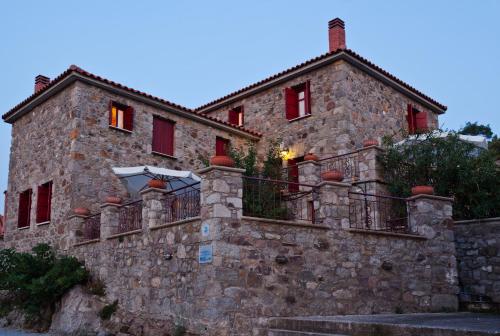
281,332
458,324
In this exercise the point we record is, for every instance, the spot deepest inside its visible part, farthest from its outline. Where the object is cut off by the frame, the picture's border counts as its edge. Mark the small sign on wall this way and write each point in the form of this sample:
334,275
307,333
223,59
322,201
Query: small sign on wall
205,254
205,229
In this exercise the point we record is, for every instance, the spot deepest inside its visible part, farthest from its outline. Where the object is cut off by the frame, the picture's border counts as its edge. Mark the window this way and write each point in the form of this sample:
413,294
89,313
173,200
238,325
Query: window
221,146
236,116
298,101
44,202
417,120
23,219
163,136
121,116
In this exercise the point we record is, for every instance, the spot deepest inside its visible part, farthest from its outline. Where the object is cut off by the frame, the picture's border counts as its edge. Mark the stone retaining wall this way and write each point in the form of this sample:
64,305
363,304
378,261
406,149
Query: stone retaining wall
478,255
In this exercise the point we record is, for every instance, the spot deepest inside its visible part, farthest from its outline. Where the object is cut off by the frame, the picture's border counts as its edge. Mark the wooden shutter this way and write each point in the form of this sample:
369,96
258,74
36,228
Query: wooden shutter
24,208
242,111
233,117
410,120
128,122
221,146
110,107
41,204
421,121
5,207
291,104
163,136
307,97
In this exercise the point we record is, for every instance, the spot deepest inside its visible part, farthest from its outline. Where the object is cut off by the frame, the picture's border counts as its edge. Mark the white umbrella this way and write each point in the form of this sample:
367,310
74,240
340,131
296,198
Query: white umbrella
136,178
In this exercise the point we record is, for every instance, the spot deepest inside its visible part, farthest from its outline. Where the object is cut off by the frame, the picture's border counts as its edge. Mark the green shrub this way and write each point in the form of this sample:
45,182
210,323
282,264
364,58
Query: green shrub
37,280
179,330
453,167
96,286
108,310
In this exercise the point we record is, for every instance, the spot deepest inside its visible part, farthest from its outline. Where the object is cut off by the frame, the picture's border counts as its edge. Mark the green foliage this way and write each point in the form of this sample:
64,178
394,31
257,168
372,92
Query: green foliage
476,129
247,161
179,330
494,147
454,167
96,286
108,310
37,280
272,164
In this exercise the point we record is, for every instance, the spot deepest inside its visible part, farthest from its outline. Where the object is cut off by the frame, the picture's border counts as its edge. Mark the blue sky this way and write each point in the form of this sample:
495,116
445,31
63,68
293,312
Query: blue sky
191,52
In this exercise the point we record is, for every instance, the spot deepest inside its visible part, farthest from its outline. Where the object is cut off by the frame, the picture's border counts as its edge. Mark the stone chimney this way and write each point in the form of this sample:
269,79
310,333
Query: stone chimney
41,82
336,34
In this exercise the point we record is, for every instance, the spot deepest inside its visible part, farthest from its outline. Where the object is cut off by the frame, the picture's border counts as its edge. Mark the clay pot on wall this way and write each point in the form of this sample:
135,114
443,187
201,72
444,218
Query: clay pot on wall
157,184
113,200
311,157
222,160
370,142
422,190
81,211
332,175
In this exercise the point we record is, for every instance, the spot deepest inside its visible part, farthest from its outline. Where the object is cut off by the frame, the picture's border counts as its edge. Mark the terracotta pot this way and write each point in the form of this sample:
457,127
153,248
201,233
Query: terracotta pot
311,157
158,184
422,190
222,160
113,200
332,175
81,211
370,142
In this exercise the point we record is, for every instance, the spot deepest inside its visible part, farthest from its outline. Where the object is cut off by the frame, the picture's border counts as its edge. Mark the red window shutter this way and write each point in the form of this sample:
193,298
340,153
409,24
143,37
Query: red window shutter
5,208
291,104
293,175
421,121
242,111
49,200
128,122
24,209
163,136
110,108
221,146
42,204
410,120
307,97
233,117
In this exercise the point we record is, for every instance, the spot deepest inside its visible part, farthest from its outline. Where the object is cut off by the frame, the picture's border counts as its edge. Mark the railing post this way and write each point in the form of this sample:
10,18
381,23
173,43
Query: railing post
370,171
221,198
154,205
76,226
309,172
109,219
333,204
431,217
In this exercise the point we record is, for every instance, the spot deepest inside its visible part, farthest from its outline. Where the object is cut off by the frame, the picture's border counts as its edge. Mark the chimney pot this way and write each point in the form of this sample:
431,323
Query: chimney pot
336,34
41,81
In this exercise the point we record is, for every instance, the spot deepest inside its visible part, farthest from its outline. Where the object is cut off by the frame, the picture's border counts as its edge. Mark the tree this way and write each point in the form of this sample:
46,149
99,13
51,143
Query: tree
476,129
454,167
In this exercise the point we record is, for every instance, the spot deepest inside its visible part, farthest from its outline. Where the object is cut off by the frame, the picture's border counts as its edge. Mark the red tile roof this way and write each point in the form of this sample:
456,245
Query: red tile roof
76,69
319,58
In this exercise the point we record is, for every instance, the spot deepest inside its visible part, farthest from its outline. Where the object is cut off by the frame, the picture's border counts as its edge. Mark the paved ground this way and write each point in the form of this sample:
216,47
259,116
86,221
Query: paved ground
454,321
10,332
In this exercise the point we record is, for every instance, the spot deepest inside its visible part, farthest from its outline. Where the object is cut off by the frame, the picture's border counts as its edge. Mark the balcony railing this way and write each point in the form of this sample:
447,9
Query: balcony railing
130,217
92,227
183,203
277,199
347,163
378,213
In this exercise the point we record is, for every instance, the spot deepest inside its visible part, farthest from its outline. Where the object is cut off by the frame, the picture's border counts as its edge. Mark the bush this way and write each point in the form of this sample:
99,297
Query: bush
37,280
453,167
108,310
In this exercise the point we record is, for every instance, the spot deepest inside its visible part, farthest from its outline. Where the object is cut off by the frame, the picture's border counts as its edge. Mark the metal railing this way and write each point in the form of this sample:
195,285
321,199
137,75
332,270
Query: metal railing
130,217
347,163
183,203
277,199
378,213
92,227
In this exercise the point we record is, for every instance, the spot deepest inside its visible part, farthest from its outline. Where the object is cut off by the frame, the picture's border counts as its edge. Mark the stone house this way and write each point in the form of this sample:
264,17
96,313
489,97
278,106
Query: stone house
69,134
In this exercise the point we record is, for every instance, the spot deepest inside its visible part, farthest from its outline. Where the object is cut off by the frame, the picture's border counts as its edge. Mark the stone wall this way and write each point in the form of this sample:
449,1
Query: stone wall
478,254
263,268
67,140
347,107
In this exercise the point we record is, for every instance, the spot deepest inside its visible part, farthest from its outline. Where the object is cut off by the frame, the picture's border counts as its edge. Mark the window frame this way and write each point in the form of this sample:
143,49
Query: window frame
293,101
236,116
127,116
226,145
